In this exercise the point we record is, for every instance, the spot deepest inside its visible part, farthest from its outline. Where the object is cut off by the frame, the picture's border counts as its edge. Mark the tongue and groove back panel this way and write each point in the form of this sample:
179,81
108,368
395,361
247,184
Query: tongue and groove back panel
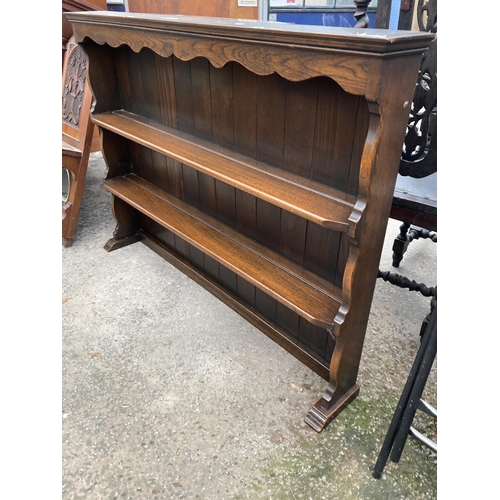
260,159
312,128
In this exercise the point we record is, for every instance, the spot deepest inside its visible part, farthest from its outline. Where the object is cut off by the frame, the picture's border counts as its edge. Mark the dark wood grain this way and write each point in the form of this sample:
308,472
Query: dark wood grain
307,198
302,292
77,134
261,159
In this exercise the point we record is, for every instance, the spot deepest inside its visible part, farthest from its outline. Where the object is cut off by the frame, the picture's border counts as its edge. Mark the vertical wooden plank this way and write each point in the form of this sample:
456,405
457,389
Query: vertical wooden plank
245,213
226,203
162,234
292,236
181,247
300,118
265,305
321,251
196,257
245,111
208,199
267,230
138,102
267,233
245,291
211,267
183,95
245,142
174,178
228,279
322,168
287,320
152,110
270,146
200,94
344,138
199,188
222,107
120,60
221,88
292,245
202,105
139,157
168,110
313,337
166,83
159,164
335,128
149,80
271,119
139,106
190,185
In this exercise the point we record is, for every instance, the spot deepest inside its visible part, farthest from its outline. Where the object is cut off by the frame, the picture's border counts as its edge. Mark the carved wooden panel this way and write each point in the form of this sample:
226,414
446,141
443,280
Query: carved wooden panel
74,87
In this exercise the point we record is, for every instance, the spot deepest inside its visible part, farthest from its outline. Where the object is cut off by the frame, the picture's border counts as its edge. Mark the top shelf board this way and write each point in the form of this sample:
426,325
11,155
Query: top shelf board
314,201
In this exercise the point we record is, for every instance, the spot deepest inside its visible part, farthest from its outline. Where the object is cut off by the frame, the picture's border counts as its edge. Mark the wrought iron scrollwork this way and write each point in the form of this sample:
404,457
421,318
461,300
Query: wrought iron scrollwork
427,15
419,155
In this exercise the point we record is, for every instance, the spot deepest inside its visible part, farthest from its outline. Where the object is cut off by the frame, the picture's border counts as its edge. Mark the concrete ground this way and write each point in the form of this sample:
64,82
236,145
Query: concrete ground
168,393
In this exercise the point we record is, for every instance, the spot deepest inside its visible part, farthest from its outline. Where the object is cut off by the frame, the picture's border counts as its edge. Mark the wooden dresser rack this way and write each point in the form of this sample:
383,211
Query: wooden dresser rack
260,159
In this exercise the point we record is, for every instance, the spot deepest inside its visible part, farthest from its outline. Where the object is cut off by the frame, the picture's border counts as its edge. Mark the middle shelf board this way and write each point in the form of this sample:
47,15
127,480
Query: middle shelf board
311,200
309,295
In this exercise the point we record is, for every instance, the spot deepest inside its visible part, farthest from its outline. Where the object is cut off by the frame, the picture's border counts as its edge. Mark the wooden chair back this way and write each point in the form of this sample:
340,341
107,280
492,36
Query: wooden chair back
76,98
77,133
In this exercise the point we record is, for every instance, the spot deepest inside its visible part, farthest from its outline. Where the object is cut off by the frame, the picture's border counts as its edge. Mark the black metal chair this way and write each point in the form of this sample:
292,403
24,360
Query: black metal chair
411,399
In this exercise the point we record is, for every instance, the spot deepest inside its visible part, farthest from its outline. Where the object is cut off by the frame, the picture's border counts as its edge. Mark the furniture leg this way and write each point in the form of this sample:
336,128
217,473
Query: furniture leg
77,172
405,411
416,392
127,225
342,389
407,234
400,244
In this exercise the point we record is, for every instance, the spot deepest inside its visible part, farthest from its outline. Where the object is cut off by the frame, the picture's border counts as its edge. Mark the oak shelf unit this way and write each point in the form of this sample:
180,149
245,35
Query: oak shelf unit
260,159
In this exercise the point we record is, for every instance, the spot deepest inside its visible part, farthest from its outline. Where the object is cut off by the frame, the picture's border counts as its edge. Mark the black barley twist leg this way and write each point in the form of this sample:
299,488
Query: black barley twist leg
405,411
400,244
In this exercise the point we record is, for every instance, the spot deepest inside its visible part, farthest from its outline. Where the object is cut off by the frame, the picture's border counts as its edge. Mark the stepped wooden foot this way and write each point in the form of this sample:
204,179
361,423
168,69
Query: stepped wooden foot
67,242
115,244
319,416
127,225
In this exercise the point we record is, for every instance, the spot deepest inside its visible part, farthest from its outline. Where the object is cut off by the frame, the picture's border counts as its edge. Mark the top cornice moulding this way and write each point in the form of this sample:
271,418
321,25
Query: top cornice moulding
369,41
